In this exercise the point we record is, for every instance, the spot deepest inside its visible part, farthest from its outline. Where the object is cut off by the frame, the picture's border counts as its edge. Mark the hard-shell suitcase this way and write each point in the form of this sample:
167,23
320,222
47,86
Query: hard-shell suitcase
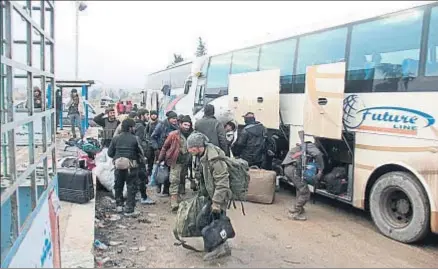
261,188
75,185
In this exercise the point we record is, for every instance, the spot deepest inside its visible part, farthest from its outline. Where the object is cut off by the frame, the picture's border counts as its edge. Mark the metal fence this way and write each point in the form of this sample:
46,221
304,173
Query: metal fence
27,62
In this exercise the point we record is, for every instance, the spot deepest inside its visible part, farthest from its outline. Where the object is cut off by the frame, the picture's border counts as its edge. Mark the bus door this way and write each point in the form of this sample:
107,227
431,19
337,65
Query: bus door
257,92
324,96
323,119
199,100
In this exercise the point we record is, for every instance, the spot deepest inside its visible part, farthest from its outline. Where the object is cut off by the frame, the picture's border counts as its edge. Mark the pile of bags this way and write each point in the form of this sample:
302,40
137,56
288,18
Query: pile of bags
104,171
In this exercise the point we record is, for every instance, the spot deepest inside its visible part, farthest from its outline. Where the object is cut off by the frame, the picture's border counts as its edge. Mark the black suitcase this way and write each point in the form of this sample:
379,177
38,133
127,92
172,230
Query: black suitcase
75,185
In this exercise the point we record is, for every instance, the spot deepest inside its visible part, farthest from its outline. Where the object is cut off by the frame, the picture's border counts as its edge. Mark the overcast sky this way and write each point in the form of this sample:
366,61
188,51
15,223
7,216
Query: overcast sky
122,41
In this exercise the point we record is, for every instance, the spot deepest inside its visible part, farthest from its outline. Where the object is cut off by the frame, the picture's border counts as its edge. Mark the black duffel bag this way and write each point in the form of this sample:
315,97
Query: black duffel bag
217,232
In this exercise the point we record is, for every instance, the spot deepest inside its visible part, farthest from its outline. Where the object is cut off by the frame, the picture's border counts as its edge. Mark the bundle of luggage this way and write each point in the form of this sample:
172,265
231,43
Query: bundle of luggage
90,146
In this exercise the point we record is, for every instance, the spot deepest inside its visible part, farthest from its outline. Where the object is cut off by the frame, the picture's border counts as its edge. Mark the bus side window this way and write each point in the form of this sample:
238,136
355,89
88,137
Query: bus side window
280,55
245,60
432,48
217,75
384,52
320,48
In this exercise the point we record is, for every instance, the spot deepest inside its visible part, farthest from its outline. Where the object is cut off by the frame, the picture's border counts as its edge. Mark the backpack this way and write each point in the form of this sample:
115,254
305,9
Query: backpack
238,170
239,176
336,181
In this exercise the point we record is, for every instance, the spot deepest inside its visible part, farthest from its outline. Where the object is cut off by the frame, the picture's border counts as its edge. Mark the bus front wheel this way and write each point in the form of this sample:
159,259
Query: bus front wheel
399,207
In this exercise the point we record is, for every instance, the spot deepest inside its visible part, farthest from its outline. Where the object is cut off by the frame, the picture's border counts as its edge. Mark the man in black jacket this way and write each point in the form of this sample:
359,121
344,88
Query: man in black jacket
150,128
250,144
212,129
158,137
127,154
140,128
109,125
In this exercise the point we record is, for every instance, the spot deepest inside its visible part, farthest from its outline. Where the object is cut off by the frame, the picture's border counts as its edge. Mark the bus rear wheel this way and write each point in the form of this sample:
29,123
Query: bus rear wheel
399,207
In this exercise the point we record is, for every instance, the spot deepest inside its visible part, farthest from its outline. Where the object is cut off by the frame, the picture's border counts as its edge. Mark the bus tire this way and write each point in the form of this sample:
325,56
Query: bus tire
399,207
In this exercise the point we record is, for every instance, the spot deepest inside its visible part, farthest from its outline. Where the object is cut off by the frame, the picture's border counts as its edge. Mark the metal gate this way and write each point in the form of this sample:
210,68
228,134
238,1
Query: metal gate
29,211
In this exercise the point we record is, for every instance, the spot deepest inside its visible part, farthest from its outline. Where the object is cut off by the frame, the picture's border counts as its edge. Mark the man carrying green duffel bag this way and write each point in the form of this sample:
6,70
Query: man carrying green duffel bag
221,180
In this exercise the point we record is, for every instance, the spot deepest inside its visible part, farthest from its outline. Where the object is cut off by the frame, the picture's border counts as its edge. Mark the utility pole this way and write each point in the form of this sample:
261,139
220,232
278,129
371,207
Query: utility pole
79,6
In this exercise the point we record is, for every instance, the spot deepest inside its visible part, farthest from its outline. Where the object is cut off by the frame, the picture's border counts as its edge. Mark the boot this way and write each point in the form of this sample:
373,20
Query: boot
296,210
222,250
174,202
299,216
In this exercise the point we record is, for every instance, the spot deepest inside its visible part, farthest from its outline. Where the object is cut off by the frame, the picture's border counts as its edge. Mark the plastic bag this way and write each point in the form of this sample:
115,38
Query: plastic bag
104,172
68,162
102,156
162,174
154,171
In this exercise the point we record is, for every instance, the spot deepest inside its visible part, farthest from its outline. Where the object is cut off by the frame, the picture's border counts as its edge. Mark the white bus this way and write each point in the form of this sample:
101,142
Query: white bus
172,83
381,126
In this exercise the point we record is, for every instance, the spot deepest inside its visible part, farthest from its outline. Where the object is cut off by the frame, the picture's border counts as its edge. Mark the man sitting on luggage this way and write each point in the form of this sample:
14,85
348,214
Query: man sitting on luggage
174,153
127,153
292,169
251,141
214,182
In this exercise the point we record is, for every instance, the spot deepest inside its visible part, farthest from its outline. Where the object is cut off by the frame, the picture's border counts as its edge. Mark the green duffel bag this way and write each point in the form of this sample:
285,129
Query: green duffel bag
185,225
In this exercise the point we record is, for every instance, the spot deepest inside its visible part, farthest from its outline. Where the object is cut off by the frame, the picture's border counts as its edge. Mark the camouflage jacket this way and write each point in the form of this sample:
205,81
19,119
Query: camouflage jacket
215,182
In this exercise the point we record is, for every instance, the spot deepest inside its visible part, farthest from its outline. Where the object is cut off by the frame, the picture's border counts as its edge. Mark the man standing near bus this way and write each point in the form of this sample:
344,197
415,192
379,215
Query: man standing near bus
293,168
250,144
162,130
212,129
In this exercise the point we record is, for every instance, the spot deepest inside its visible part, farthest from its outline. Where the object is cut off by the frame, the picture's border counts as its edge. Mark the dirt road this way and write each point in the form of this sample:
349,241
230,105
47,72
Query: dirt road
334,236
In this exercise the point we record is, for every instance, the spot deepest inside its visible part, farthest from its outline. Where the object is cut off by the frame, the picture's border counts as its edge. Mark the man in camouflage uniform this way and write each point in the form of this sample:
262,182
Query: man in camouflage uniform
214,182
292,170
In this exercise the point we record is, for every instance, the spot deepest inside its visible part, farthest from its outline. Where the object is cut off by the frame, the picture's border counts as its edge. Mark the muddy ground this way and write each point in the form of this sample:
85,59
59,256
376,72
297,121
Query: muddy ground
335,235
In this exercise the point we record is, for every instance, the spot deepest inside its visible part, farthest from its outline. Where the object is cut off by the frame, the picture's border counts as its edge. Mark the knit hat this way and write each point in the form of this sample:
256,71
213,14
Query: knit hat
132,114
209,110
141,112
171,115
186,118
196,140
153,112
249,115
